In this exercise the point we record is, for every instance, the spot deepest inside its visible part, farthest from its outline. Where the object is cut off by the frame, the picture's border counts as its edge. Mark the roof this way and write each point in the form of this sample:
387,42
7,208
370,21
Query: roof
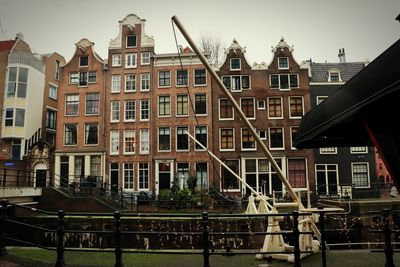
7,45
320,71
340,119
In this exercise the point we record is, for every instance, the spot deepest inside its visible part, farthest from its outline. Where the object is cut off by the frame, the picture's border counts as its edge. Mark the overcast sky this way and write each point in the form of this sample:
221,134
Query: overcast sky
316,28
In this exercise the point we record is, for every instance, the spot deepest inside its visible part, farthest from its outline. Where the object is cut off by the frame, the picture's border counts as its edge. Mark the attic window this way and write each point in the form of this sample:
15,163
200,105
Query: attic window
334,76
131,41
283,63
235,63
83,61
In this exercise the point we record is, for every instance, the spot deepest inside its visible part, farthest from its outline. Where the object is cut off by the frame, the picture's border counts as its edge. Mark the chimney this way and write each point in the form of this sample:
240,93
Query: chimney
343,56
19,36
340,55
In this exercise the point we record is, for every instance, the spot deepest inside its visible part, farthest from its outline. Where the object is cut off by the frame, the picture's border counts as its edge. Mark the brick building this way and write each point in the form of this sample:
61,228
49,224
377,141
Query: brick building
80,150
273,97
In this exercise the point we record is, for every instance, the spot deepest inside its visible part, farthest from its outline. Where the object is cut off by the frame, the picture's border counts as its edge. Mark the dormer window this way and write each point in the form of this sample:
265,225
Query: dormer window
334,77
283,63
131,41
83,61
235,63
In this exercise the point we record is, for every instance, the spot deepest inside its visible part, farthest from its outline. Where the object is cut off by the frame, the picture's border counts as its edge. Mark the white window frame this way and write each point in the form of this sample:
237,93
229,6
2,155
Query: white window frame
159,107
220,139
98,135
125,110
141,109
144,142
158,79
145,58
98,112
292,147
51,95
356,150
302,107
328,150
147,169
176,106
200,114
195,135
113,142
142,79
116,60
283,139
158,139
241,141
66,99
219,111
368,174
269,115
112,111
133,176
264,137
254,107
320,99
279,81
261,104
80,63
128,78
134,142
126,40
287,61
230,64
194,77
115,83
176,78
176,139
77,134
130,60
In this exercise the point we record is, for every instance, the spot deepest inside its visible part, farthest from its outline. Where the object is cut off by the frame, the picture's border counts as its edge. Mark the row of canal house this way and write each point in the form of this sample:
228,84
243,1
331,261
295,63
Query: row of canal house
123,120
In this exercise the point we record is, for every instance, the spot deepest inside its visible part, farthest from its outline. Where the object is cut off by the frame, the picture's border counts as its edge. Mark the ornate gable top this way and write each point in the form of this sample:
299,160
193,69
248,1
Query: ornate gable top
281,45
235,46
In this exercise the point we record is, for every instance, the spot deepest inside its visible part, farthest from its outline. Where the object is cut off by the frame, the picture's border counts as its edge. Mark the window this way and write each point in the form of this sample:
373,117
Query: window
144,141
9,117
83,61
284,81
182,139
95,165
297,173
260,104
262,134
17,86
57,73
145,58
116,60
53,92
275,108
334,77
293,135
182,78
358,150
225,109
72,105
320,99
144,110
143,176
51,116
164,106
229,181
276,138
247,106
70,134
326,179
92,77
73,77
130,113
182,173
283,63
202,175
248,141
129,141
130,83
16,149
145,82
114,111
236,83
235,64
130,60
296,107
114,142
83,78
115,83
227,139
200,77
19,117
164,139
328,150
200,104
91,134
164,78
92,104
182,106
201,136
128,176
257,175
131,41
360,172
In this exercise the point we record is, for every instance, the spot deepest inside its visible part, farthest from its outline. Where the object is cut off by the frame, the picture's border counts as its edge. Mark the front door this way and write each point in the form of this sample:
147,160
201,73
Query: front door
41,178
64,171
164,174
114,177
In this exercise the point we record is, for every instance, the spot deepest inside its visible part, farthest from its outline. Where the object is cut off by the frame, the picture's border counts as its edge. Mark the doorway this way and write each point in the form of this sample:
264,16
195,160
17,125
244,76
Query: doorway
164,175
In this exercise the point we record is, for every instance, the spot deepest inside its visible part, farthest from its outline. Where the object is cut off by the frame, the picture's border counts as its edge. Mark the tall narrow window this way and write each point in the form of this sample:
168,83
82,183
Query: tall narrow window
230,182
235,63
12,82
130,60
144,141
164,106
91,134
116,60
144,110
114,111
51,119
22,82
182,139
19,117
130,113
200,104
283,63
129,142
227,141
145,82
114,142
297,173
296,106
200,77
115,83
164,139
53,92
71,134
247,106
57,72
201,136
164,78
182,107
128,176
202,175
71,105
225,109
275,107
248,141
143,175
276,138
145,58
130,83
92,103
181,77
360,171
9,117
